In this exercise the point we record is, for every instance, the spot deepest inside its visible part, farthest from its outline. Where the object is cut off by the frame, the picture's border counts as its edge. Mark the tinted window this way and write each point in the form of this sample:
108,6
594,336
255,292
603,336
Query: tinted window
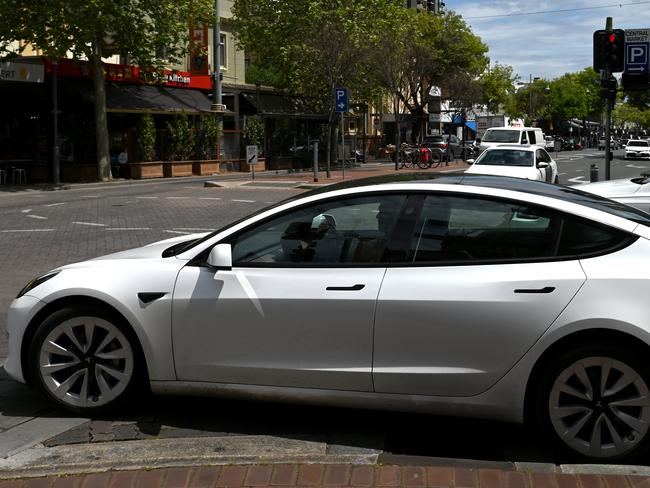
501,136
505,157
454,228
467,230
353,230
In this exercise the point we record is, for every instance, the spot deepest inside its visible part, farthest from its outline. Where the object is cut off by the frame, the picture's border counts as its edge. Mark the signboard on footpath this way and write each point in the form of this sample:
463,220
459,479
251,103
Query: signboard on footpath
22,72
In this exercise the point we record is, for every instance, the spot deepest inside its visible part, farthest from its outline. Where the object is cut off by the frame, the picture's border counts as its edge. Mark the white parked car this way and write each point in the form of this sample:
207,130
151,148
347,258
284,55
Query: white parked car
479,296
631,191
529,162
637,149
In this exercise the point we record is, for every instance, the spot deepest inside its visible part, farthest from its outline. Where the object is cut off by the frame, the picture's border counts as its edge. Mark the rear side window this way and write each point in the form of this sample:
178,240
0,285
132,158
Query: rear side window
467,230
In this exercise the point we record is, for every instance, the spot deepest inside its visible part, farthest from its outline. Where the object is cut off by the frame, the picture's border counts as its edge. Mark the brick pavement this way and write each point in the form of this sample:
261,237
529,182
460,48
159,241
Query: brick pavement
332,476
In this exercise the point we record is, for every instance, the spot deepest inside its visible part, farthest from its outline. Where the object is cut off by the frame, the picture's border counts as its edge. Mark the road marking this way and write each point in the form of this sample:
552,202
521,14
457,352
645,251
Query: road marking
195,229
269,202
244,201
26,230
55,204
90,196
209,198
26,210
561,174
578,179
32,216
177,198
90,223
635,166
175,232
129,228
147,198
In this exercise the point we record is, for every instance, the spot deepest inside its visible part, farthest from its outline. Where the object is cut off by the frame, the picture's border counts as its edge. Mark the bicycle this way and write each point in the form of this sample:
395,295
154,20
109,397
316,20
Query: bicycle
430,157
409,156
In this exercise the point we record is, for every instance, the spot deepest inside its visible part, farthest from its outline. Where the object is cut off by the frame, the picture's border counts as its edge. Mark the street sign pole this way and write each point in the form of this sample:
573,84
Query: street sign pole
341,104
608,108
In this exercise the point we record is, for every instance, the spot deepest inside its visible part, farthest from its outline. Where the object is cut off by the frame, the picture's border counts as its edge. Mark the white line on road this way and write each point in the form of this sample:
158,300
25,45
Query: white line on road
26,230
244,201
269,202
175,232
579,179
147,198
635,166
90,223
195,229
209,198
55,204
561,174
129,228
177,198
90,196
32,216
27,210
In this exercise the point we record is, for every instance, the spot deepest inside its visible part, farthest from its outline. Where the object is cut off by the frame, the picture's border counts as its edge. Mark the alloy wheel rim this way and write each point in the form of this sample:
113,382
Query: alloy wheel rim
600,407
86,362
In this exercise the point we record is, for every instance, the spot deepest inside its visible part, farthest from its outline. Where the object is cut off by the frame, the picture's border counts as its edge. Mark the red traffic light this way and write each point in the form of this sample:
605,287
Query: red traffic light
612,38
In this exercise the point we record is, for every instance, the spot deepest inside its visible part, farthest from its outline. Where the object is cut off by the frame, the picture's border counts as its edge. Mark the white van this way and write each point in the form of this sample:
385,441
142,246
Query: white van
512,135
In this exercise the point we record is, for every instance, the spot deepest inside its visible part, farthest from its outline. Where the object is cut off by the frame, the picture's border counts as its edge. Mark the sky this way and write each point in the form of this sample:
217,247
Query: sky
548,44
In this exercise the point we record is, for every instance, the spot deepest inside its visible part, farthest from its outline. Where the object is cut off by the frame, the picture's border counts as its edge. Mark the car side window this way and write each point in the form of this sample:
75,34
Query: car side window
524,139
582,237
455,228
336,232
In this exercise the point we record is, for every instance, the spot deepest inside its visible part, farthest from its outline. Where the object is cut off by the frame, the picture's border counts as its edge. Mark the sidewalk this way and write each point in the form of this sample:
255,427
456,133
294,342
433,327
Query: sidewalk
330,475
305,177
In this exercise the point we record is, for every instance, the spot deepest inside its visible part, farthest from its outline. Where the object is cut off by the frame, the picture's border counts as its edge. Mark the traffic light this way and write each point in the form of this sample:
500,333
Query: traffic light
609,50
609,87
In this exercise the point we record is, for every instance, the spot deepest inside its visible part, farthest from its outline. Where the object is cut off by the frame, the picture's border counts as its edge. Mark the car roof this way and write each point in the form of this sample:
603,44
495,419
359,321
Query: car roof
514,147
539,188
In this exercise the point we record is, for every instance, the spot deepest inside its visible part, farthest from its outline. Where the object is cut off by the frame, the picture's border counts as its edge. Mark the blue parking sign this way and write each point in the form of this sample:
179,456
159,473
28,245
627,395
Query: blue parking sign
637,45
341,99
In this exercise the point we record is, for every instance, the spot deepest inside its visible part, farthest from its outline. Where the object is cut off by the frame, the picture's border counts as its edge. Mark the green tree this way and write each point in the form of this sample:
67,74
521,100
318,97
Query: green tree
152,34
255,130
145,138
207,135
498,84
181,137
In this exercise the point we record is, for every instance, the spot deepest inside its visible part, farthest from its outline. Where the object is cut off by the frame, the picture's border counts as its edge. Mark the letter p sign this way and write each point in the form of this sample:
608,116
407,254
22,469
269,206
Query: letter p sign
636,57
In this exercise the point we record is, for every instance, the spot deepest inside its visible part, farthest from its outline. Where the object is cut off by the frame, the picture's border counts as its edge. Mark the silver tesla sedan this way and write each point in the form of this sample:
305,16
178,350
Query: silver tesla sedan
468,295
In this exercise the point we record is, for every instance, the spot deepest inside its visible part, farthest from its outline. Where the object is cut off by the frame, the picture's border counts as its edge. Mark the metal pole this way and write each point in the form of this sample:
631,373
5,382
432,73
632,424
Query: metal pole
315,160
343,143
608,108
217,103
56,156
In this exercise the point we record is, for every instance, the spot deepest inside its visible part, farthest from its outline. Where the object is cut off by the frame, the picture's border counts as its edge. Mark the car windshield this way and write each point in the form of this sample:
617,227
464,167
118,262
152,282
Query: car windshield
638,143
501,136
505,157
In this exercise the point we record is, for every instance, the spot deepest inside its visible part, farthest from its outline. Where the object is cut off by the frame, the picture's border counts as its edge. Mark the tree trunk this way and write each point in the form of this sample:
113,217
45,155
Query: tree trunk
101,124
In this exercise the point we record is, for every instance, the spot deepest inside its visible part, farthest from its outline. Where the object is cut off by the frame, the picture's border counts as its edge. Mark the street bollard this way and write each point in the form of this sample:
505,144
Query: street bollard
593,173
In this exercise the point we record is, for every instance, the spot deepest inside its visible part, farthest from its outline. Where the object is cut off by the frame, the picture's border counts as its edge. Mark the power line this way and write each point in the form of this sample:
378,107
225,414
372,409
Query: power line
541,12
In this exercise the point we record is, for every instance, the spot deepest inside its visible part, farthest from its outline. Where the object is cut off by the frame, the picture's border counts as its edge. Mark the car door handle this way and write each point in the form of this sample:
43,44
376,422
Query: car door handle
546,289
346,288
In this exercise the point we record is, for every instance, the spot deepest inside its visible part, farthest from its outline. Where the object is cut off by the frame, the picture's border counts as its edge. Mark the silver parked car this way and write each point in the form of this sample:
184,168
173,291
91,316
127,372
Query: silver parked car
478,296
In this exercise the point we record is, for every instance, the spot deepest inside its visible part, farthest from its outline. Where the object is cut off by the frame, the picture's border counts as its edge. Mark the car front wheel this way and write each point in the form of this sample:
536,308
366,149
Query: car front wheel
83,360
594,402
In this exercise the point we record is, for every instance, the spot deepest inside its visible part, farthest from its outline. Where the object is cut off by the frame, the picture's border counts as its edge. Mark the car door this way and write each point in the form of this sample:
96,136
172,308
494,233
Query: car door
481,286
542,156
297,308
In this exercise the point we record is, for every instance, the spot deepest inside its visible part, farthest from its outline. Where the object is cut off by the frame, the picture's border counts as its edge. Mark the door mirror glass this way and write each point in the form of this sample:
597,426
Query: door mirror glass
470,161
220,257
542,164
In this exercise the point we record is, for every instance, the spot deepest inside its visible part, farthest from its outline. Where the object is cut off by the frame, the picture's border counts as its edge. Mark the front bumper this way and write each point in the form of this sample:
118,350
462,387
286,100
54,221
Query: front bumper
637,155
21,312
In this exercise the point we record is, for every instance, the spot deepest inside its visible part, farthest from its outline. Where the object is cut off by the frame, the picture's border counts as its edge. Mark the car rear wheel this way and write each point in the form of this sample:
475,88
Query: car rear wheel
594,403
83,360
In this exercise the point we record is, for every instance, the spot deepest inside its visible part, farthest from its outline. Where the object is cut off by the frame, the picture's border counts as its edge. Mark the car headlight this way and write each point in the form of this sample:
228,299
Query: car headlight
37,281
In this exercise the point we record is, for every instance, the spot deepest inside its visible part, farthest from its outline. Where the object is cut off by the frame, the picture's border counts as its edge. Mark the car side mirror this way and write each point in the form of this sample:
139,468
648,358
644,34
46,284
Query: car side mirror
542,164
220,257
478,140
470,161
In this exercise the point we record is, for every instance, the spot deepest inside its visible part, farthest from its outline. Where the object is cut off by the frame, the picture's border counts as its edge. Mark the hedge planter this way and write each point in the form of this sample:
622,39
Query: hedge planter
152,169
205,167
177,168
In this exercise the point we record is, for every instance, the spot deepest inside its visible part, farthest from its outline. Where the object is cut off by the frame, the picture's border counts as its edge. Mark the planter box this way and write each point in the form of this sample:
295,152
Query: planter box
246,168
205,167
177,168
152,169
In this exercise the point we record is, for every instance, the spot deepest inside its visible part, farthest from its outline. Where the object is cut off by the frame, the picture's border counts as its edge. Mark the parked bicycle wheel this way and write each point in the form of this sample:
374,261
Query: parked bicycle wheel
424,160
435,157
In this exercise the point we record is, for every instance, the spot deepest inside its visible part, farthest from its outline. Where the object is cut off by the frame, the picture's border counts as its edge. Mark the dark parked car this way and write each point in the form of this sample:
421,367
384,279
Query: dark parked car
450,145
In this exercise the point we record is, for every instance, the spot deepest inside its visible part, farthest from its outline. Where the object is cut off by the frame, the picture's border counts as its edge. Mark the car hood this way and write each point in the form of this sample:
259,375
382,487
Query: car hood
153,250
611,188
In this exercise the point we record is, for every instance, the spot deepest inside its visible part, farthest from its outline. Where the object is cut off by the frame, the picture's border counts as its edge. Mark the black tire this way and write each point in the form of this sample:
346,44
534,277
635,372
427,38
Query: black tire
588,422
94,376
